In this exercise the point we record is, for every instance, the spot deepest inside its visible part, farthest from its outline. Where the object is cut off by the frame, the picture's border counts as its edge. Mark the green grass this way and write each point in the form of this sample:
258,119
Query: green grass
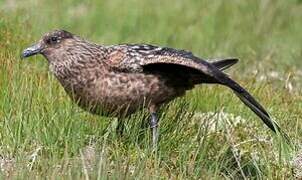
43,134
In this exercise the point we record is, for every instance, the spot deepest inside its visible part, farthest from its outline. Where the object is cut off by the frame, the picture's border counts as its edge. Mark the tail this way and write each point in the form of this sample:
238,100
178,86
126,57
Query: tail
223,64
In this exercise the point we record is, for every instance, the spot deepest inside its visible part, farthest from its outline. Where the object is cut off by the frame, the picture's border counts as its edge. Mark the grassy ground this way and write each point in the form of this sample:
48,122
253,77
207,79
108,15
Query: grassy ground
207,134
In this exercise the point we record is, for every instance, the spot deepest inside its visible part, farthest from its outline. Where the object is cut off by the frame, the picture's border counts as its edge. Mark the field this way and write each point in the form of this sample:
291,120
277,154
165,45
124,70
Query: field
207,134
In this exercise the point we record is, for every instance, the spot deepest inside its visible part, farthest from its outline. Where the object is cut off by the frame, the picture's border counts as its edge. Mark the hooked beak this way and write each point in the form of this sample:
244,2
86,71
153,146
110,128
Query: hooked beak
30,51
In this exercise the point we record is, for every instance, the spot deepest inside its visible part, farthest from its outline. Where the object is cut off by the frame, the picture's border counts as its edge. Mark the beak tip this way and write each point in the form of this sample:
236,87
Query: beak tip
35,49
24,54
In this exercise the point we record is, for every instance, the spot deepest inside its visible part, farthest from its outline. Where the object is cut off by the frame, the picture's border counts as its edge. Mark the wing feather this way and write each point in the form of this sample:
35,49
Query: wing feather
136,57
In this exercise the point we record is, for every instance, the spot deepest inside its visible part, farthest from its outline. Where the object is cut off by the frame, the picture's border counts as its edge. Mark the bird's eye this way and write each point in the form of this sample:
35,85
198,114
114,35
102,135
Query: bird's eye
54,39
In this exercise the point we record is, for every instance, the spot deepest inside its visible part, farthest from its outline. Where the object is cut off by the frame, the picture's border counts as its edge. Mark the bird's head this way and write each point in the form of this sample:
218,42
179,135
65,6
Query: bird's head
51,43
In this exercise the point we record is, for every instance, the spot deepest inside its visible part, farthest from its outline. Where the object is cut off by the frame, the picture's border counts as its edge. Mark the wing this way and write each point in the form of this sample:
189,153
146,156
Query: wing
137,58
133,57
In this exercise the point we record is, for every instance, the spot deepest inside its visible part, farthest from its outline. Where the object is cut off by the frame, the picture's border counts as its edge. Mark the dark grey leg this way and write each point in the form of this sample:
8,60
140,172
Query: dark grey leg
153,126
120,127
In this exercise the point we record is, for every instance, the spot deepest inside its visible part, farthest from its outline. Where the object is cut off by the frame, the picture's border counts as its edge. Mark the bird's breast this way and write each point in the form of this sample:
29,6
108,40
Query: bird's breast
116,92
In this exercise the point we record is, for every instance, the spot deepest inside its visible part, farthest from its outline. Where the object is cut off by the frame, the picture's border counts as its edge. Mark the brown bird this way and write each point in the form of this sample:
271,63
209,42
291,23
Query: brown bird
120,79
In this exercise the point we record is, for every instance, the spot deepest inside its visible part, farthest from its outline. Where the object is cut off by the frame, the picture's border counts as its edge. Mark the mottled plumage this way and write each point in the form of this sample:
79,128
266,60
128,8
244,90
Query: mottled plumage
117,80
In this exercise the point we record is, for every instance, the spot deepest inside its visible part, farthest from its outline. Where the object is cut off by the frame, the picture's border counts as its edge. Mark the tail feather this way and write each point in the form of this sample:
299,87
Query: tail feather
223,64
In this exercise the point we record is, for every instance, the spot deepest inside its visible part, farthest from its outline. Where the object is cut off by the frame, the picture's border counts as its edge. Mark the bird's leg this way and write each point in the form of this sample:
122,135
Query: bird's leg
153,126
120,127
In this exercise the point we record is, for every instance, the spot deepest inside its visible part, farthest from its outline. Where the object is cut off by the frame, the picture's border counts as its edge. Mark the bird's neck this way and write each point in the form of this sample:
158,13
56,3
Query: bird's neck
75,66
